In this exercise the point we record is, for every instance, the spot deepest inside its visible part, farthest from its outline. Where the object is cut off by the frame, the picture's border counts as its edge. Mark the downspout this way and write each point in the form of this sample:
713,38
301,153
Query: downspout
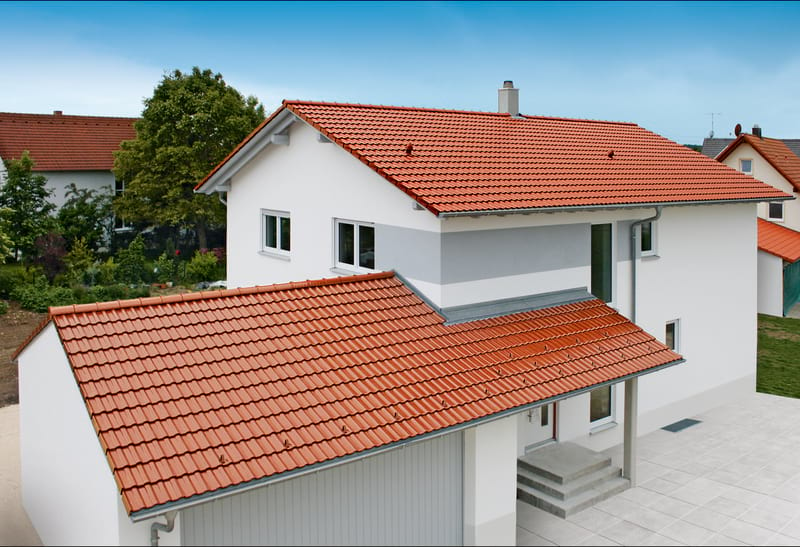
634,251
156,526
222,200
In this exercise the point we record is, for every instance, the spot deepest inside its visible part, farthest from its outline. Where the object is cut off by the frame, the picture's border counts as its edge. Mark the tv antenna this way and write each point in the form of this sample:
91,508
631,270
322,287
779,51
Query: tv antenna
712,114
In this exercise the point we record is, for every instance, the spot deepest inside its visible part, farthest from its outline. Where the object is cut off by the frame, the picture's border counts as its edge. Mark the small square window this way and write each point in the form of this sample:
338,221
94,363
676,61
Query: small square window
775,210
746,166
276,230
672,335
355,246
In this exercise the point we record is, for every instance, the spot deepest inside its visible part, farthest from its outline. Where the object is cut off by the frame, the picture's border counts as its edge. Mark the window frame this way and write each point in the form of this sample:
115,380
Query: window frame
277,250
741,167
653,251
601,423
676,334
119,189
357,225
612,266
769,211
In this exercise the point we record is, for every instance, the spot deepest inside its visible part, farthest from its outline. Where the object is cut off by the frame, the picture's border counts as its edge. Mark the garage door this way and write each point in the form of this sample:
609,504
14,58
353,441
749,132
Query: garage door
407,496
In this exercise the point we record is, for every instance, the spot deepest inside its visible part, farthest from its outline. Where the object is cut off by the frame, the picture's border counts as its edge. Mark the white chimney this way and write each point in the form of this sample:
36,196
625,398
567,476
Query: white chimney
508,99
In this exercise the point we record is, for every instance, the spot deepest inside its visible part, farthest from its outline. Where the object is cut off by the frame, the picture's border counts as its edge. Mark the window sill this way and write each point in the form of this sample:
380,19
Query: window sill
279,256
602,427
651,256
343,271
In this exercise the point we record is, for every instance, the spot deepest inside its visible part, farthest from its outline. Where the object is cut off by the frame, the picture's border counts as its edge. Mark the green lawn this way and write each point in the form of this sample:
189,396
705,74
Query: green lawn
778,356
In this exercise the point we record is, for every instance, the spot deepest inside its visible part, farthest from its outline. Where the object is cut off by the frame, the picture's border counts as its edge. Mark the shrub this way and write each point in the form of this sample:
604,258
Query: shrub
132,268
165,268
107,272
50,251
3,307
202,267
11,275
79,262
39,295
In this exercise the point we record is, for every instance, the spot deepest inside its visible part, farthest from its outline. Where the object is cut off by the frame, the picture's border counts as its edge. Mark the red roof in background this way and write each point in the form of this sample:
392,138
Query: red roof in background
193,393
59,142
460,162
774,151
778,240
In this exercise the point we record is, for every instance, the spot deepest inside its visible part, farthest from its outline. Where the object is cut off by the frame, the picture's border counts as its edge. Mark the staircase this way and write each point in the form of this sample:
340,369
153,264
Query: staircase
565,478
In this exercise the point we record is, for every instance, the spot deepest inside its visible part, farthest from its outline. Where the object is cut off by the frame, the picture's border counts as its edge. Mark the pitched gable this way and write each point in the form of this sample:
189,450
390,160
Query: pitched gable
775,151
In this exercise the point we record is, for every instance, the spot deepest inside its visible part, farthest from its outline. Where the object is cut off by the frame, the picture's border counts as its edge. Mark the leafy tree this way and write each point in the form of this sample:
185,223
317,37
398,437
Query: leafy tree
50,251
79,261
85,214
6,245
190,124
27,212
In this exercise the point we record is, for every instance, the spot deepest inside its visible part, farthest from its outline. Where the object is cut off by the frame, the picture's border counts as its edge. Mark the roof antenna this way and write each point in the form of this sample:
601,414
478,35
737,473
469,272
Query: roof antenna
712,114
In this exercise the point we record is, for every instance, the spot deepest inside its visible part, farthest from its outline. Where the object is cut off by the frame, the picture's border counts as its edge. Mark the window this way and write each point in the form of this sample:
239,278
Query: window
276,232
647,243
119,223
601,261
601,405
671,336
355,245
775,210
746,166
545,416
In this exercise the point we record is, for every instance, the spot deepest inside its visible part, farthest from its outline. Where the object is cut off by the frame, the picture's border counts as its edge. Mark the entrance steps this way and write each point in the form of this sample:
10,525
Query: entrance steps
565,478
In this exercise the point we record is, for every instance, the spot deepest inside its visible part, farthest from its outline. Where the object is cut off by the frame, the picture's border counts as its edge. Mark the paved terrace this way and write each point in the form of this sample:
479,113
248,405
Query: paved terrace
732,479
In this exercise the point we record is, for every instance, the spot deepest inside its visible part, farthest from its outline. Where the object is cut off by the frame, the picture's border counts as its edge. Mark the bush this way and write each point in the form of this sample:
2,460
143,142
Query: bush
107,272
165,268
79,262
3,307
39,295
132,269
12,275
50,251
202,267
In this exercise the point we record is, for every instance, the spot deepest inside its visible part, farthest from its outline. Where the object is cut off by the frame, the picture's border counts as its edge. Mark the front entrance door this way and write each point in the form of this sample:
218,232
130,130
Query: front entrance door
541,427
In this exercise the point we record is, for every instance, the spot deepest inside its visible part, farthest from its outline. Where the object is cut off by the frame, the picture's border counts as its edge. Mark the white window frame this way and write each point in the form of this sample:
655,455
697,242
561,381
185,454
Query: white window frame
275,251
356,244
741,167
123,227
653,251
603,423
769,216
676,334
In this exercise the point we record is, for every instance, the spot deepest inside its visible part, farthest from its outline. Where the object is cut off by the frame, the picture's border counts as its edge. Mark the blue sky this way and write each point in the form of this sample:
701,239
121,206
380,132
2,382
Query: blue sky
664,65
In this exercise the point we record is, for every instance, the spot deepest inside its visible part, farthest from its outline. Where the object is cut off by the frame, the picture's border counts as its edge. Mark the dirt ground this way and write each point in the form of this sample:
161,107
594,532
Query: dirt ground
15,327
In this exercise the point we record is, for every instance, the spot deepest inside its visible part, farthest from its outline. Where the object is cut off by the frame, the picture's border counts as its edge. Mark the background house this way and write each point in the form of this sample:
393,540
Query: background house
448,331
66,149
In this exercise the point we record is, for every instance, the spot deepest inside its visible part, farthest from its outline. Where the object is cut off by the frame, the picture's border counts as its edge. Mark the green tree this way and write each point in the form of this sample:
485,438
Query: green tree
132,262
190,124
27,211
85,214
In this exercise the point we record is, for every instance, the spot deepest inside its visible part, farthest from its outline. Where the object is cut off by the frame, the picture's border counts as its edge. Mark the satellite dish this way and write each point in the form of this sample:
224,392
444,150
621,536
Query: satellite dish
737,129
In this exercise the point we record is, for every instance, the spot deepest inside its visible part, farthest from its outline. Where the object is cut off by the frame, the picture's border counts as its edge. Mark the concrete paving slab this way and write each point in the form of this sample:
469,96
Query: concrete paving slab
15,527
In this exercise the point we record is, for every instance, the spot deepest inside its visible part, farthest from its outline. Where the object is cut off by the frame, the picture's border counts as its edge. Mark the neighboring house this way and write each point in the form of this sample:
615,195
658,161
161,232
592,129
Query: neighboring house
448,331
67,149
773,162
711,147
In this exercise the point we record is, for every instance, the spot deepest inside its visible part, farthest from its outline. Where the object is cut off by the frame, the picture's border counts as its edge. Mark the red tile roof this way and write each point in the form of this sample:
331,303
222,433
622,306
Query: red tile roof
60,142
774,151
778,240
461,162
193,393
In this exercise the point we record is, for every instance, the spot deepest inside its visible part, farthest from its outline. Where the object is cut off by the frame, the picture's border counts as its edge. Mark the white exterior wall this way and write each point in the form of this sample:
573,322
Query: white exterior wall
315,182
763,171
770,284
57,181
490,483
67,487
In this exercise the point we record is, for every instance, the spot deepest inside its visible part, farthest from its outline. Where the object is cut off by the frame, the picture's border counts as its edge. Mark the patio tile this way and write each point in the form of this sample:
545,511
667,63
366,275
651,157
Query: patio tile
746,532
779,506
708,519
642,496
719,539
617,506
525,537
727,506
766,519
660,485
562,532
686,532
679,477
674,507
593,519
696,494
650,518
627,533
780,539
792,529
598,540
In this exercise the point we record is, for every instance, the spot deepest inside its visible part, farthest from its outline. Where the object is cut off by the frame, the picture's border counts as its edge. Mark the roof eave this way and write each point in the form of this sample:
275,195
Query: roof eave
236,489
570,208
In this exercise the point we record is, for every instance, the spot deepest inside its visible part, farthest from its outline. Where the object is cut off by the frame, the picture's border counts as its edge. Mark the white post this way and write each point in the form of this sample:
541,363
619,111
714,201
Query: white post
631,423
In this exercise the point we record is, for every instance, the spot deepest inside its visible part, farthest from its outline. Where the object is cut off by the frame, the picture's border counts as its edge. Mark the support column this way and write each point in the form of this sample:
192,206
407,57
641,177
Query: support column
631,426
490,483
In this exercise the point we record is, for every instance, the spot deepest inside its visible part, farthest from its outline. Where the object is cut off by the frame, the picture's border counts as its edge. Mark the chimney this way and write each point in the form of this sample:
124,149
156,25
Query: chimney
57,112
756,131
508,99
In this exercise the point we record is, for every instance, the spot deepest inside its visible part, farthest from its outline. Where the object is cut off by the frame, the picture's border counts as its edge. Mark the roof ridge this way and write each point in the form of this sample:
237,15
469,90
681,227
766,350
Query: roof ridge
450,111
63,116
208,295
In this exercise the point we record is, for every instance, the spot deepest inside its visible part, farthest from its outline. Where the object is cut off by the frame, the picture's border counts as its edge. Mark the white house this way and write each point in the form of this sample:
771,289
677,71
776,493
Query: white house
66,149
773,162
448,329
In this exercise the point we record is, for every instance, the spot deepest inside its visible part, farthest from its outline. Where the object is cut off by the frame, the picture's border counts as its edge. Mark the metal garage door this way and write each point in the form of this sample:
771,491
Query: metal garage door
410,495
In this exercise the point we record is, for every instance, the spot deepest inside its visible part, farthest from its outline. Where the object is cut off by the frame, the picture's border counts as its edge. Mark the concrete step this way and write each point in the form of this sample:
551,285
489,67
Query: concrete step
583,500
563,491
563,462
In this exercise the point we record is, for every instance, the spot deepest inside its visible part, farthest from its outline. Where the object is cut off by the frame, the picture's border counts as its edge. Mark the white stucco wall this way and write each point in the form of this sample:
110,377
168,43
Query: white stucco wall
57,181
67,487
490,483
315,182
770,284
763,171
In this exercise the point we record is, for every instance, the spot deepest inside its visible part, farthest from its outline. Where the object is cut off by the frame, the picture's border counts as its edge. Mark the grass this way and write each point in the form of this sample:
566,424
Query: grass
778,356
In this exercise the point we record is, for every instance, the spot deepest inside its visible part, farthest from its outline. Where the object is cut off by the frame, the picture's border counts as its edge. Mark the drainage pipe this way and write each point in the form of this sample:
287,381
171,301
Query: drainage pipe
156,526
222,200
634,252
